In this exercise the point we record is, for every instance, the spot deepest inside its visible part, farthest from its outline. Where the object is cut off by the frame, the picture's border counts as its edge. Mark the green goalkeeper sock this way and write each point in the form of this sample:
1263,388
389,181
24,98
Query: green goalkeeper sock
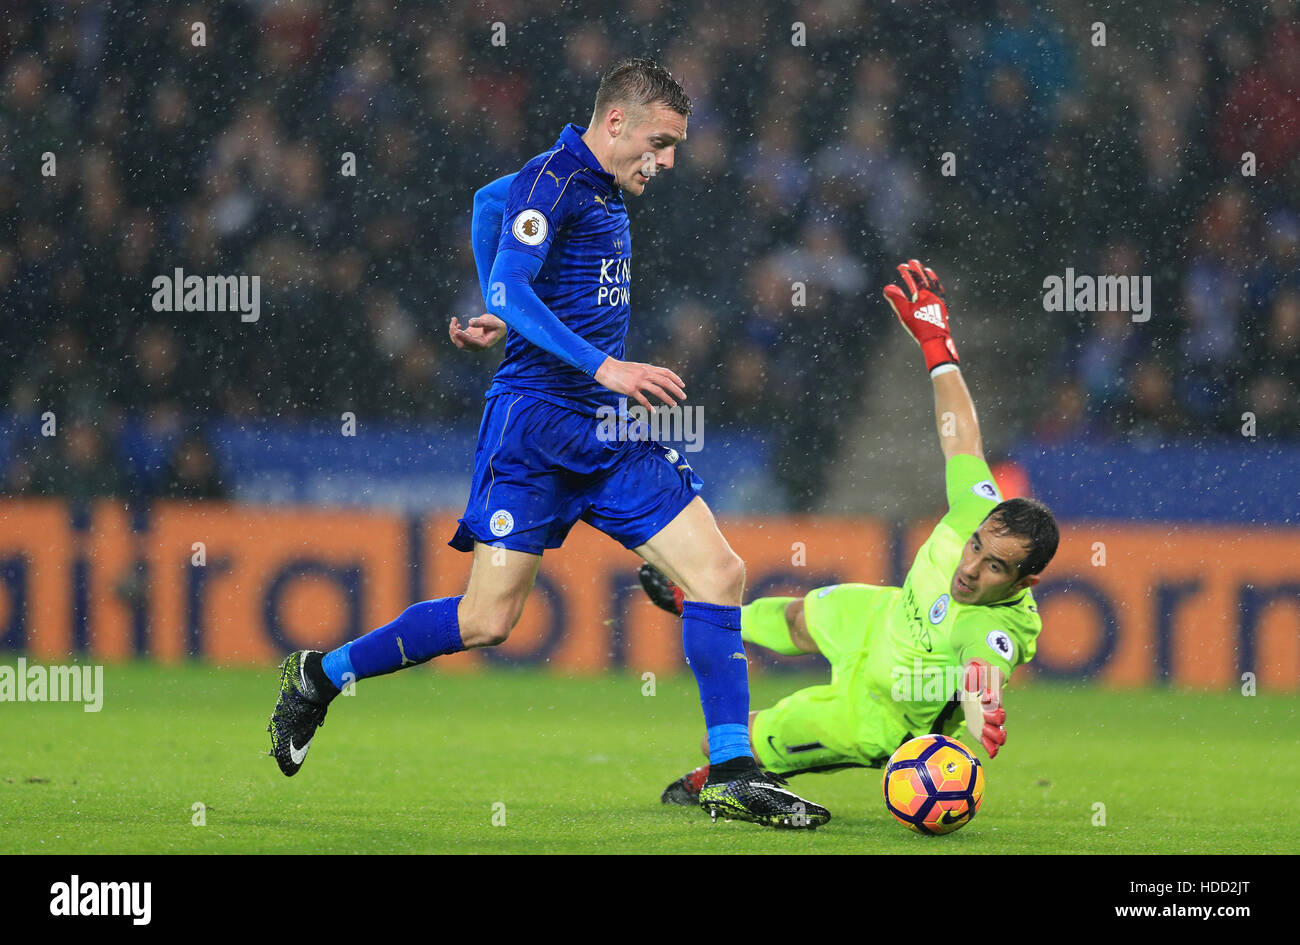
763,622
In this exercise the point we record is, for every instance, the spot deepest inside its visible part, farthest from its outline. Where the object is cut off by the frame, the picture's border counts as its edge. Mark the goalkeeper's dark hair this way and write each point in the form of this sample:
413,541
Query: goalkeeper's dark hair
639,83
1031,520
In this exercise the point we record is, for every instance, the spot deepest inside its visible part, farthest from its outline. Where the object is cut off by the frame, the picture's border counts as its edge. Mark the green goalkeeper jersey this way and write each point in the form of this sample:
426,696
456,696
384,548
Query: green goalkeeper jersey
920,639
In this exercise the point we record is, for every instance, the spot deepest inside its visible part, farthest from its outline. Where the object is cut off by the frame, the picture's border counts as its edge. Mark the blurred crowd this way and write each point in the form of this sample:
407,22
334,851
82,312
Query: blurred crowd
814,164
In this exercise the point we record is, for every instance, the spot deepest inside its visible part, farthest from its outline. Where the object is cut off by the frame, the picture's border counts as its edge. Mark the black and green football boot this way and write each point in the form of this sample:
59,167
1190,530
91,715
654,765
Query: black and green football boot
757,797
299,710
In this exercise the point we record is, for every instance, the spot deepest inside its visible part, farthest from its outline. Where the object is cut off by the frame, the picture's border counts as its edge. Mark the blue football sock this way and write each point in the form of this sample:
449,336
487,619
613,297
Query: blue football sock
423,631
711,639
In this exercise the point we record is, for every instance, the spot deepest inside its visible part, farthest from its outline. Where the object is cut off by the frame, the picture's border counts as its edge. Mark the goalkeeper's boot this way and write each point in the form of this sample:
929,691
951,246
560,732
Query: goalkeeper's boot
299,711
759,797
685,791
662,592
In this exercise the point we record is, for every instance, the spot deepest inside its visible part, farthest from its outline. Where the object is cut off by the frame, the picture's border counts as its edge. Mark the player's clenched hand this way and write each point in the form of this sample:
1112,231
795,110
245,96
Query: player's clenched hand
482,331
921,309
986,719
636,380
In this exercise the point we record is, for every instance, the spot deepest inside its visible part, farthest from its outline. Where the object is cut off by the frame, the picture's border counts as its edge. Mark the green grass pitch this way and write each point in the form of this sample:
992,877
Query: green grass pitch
419,761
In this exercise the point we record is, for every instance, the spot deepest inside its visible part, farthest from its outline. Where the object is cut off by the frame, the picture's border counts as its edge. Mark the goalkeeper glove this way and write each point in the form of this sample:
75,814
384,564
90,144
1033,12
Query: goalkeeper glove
989,723
923,313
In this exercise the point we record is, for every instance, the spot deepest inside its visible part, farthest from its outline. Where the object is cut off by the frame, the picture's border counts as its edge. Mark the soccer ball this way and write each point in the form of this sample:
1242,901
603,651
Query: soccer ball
933,784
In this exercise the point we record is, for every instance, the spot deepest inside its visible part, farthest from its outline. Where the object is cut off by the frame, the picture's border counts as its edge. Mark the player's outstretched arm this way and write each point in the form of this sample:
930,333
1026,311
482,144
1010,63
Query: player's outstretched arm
513,299
921,309
954,415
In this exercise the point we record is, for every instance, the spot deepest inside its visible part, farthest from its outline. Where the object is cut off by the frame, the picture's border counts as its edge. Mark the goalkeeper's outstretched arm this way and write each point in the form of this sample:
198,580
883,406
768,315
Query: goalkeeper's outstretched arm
954,414
920,307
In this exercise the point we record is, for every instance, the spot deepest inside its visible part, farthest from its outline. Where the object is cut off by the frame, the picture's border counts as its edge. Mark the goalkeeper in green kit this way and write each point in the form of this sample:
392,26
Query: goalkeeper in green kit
930,656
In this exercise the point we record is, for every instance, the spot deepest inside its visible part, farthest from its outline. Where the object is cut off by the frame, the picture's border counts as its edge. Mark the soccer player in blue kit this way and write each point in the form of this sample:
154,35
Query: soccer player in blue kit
554,250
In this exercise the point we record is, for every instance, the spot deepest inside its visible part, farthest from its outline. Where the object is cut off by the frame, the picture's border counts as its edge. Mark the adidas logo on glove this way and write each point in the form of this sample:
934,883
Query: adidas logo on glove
930,313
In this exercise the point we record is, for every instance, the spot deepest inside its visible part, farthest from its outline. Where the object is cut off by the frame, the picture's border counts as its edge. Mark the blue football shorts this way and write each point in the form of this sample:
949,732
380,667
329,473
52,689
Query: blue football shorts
540,467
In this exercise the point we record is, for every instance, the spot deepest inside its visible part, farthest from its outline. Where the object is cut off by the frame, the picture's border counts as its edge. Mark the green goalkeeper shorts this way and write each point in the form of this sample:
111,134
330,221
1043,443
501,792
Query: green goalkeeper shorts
825,727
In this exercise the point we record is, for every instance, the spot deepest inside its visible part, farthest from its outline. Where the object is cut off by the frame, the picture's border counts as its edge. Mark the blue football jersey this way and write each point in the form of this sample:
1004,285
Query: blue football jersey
564,209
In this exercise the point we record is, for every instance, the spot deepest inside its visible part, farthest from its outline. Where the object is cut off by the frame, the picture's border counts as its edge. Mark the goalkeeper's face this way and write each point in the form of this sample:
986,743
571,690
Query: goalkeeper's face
990,567
643,143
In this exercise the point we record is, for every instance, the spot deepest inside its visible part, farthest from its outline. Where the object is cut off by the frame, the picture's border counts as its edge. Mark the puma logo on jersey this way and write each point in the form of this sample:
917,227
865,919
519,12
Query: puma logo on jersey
558,182
930,313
